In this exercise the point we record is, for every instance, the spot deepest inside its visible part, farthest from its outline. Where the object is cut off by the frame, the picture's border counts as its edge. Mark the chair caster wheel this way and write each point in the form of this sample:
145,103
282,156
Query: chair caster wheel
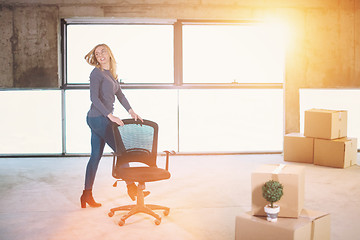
121,223
166,212
157,221
110,214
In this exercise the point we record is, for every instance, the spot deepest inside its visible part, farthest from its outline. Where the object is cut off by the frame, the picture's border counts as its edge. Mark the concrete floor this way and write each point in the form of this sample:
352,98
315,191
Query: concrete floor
39,199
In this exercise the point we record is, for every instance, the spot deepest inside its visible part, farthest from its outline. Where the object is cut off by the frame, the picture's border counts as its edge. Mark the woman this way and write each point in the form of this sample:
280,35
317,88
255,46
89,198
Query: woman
103,89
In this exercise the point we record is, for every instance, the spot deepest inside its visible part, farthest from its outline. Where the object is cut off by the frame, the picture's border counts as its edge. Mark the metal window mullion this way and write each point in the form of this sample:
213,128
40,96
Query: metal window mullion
63,83
178,54
63,122
178,71
63,52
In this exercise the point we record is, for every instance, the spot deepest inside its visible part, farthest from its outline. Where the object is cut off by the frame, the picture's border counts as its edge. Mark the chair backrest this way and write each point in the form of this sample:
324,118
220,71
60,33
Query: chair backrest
137,141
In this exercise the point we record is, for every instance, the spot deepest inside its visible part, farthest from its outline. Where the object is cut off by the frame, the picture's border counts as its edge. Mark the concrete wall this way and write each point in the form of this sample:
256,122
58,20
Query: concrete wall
29,39
323,52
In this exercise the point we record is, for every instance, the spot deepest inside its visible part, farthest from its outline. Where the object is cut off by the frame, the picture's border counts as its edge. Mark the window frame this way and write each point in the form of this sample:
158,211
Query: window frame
178,65
178,54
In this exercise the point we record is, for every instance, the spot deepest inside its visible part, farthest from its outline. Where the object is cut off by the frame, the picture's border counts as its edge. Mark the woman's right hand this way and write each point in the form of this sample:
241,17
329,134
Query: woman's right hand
115,119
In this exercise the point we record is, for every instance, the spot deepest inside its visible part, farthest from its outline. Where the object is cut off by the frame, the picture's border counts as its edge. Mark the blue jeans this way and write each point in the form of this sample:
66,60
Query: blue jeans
101,133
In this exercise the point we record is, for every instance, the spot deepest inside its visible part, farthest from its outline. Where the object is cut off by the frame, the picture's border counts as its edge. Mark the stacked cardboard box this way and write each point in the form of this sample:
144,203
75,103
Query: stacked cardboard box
298,148
311,225
291,177
324,141
294,222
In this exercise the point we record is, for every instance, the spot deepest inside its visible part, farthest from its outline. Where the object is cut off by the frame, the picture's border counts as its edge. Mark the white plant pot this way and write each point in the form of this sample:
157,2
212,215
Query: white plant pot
272,213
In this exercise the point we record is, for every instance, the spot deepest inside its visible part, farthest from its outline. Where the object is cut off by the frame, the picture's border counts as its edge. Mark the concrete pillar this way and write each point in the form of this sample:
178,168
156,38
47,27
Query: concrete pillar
35,49
357,43
6,56
295,66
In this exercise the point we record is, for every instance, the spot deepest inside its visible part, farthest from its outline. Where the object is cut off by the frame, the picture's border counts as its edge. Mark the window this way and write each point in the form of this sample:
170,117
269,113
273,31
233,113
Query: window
149,58
231,120
177,73
239,53
30,122
144,53
156,104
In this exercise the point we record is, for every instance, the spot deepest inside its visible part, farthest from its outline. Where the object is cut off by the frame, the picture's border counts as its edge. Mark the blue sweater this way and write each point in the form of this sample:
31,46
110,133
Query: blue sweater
103,89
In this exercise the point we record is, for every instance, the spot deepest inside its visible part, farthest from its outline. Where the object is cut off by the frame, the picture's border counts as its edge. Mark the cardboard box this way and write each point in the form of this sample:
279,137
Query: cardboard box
311,225
298,148
292,178
340,153
326,124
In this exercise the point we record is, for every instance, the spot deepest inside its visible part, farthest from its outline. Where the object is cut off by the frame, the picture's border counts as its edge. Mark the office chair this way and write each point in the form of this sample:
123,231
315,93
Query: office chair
136,142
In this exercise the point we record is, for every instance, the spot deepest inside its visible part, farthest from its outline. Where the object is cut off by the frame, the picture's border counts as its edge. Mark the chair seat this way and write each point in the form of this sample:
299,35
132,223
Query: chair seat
142,174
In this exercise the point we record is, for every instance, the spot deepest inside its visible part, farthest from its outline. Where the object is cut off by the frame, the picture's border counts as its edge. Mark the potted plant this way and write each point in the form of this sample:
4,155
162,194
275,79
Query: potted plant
272,191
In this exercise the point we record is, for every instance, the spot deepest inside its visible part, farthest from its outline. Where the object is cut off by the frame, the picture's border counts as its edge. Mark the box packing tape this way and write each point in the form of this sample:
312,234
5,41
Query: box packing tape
277,171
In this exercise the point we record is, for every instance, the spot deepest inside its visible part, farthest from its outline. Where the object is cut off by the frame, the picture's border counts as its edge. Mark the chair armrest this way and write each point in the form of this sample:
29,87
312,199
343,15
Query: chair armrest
168,153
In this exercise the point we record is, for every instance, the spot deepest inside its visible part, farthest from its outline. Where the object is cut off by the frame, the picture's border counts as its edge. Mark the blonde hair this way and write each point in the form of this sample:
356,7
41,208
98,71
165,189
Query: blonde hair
91,59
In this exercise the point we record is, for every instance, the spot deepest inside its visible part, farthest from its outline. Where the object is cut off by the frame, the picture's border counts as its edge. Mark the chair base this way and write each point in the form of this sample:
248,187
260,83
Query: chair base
140,207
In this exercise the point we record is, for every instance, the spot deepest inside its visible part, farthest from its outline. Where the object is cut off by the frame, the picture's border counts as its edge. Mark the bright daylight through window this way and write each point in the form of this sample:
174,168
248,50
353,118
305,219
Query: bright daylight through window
215,53
233,53
144,53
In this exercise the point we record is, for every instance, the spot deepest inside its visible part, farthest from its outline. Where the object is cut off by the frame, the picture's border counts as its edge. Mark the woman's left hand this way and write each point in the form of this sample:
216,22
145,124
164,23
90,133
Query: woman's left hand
135,116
